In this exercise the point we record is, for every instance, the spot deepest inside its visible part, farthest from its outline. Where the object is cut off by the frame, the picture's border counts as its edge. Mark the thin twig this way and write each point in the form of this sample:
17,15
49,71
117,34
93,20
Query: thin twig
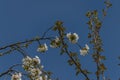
9,70
46,31
22,42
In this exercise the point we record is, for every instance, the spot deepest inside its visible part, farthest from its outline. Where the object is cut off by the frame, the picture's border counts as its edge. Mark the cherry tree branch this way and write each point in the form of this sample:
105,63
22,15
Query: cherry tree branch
9,70
68,53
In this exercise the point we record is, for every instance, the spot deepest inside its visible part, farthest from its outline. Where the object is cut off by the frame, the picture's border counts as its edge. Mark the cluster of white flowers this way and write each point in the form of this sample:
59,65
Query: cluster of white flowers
30,63
55,43
34,69
84,51
35,73
45,77
16,76
73,38
42,48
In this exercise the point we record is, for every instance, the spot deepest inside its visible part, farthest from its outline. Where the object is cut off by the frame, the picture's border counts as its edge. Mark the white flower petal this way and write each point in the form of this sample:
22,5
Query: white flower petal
87,47
73,38
83,52
42,48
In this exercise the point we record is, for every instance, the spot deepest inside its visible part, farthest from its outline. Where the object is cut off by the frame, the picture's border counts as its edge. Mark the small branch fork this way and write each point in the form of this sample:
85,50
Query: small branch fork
7,72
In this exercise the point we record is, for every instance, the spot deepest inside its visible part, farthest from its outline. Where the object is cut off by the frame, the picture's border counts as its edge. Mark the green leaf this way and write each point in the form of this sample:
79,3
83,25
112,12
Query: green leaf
55,28
95,12
102,67
70,62
58,23
86,71
88,14
90,24
98,25
102,57
73,54
89,35
97,73
100,49
104,12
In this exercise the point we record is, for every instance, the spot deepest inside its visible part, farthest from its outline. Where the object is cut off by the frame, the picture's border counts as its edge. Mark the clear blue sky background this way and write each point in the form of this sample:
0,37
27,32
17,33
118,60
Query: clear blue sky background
25,19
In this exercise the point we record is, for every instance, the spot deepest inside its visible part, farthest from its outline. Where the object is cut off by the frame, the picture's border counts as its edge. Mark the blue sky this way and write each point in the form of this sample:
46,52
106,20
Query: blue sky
25,19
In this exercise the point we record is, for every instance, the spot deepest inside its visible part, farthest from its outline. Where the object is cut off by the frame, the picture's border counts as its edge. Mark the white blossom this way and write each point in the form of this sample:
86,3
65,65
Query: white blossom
84,51
39,78
46,77
73,38
27,61
41,66
16,76
55,43
33,67
43,77
35,72
36,60
42,48
87,47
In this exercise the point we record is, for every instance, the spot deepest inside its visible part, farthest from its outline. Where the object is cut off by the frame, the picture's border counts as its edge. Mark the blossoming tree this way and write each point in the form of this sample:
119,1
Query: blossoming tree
34,70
